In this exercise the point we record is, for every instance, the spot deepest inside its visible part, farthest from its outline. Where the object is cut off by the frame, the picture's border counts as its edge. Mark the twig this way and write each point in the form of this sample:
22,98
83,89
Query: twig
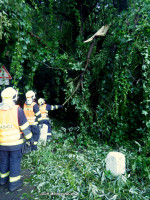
39,39
48,65
77,87
42,42
81,77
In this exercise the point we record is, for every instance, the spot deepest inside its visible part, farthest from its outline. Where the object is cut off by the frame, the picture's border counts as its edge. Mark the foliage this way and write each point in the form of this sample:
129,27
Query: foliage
115,76
71,169
42,47
146,102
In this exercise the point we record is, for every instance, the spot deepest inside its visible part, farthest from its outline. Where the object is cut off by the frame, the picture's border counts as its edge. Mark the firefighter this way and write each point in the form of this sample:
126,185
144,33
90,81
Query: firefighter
44,108
33,115
14,127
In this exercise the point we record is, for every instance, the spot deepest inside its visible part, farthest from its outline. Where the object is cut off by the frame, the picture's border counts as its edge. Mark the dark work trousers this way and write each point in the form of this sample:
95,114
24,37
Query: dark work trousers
36,134
10,167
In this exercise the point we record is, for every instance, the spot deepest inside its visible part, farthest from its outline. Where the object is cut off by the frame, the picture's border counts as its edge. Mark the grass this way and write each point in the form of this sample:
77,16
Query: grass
74,168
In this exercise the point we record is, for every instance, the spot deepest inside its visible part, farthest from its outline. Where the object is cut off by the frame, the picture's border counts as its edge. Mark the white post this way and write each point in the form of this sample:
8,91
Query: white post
115,162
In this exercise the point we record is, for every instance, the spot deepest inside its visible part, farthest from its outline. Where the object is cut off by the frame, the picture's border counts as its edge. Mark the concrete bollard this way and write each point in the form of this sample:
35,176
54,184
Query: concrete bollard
115,162
43,134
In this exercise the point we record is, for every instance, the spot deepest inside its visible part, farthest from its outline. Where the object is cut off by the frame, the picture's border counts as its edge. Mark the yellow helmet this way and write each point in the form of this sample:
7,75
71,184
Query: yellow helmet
41,101
9,94
30,94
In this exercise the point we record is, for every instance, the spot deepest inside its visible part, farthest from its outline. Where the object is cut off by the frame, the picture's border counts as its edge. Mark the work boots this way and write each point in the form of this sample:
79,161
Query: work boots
15,186
3,181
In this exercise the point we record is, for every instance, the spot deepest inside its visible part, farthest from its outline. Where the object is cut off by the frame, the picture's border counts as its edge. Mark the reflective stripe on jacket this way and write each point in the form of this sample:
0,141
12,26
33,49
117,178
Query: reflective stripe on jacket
9,127
30,115
44,112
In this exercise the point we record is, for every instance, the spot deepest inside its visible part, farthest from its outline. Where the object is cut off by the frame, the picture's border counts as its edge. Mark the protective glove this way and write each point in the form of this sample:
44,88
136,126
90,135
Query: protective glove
30,142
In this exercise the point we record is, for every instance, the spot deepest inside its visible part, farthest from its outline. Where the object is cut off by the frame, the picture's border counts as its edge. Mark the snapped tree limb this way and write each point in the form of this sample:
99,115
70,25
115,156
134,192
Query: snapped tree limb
100,32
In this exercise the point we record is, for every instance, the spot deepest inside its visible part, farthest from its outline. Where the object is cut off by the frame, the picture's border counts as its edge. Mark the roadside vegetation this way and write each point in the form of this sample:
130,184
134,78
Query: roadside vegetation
104,86
74,168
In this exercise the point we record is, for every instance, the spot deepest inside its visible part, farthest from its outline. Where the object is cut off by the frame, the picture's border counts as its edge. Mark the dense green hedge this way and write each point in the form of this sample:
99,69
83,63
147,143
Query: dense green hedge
42,47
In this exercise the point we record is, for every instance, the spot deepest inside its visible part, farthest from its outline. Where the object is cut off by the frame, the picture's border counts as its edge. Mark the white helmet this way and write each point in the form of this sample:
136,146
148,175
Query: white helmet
9,94
30,94
41,101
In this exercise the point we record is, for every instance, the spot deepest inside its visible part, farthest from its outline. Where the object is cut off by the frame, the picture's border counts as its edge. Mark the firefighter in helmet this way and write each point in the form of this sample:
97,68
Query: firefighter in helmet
33,115
44,108
14,128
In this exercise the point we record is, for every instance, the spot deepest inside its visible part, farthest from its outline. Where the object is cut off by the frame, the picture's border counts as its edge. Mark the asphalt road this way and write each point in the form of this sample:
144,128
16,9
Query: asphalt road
17,195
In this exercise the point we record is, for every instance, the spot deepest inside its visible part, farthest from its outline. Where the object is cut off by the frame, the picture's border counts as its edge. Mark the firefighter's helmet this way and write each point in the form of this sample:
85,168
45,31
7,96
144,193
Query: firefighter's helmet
9,94
41,101
30,94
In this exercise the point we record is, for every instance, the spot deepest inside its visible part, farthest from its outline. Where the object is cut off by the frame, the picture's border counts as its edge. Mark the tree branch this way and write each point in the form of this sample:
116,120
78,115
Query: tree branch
48,65
82,74
39,40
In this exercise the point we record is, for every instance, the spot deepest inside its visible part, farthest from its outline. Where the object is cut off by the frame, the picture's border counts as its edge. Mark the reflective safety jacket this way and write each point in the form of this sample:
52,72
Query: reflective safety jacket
32,113
12,129
44,108
44,112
